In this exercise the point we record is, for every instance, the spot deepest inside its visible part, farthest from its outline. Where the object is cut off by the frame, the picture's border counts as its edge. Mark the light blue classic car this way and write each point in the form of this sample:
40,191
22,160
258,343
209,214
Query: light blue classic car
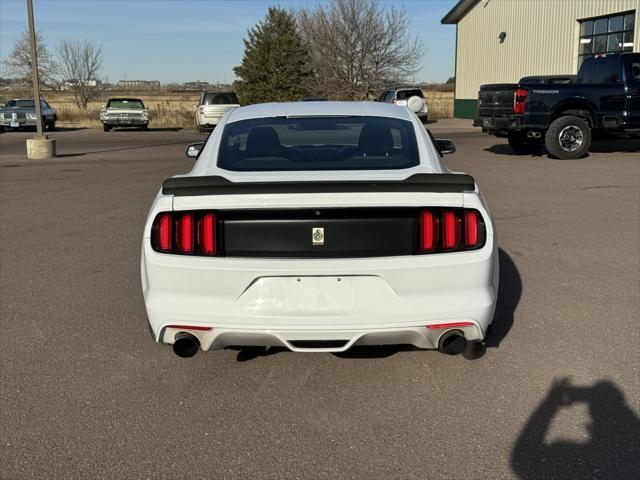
21,113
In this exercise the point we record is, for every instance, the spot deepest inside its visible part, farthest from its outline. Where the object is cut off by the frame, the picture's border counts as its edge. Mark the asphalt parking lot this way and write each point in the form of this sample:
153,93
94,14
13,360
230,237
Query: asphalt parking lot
87,394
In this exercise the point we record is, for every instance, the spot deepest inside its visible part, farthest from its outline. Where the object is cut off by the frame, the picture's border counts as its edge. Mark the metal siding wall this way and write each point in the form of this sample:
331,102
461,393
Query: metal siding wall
542,38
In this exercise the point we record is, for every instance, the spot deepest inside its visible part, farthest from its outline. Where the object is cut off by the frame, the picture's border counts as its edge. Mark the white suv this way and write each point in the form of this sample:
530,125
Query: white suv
410,97
212,106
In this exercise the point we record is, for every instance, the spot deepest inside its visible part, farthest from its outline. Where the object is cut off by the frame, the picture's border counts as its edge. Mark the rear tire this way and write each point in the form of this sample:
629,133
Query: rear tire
522,145
107,128
568,137
201,129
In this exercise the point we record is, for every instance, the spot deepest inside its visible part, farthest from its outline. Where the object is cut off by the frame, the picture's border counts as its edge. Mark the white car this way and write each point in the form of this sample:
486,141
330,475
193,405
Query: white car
317,226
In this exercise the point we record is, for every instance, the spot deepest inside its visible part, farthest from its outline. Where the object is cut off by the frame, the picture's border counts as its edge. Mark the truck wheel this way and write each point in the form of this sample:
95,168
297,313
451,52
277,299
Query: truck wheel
568,137
201,128
522,145
107,128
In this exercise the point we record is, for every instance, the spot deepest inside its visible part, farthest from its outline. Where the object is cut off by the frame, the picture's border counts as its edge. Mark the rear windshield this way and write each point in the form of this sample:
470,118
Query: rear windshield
318,143
406,94
20,104
125,103
220,99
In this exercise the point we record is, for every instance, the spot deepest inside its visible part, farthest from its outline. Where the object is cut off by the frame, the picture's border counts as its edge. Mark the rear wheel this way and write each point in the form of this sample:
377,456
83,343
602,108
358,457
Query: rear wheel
201,128
523,145
107,128
568,137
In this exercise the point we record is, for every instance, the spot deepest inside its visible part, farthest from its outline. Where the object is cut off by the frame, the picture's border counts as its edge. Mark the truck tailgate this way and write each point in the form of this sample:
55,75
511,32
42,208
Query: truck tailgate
496,100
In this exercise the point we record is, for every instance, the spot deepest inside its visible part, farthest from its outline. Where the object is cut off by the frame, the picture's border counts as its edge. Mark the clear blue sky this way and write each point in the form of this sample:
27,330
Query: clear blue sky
179,41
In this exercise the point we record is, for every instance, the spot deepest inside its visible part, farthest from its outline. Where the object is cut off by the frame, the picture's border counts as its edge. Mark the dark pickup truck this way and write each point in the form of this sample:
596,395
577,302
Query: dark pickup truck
559,112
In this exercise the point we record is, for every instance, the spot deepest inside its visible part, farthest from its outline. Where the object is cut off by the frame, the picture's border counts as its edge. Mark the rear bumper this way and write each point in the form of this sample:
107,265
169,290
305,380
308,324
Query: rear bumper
125,122
279,302
17,123
490,124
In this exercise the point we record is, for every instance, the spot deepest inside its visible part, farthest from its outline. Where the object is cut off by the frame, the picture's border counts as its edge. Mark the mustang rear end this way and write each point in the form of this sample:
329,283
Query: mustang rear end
307,226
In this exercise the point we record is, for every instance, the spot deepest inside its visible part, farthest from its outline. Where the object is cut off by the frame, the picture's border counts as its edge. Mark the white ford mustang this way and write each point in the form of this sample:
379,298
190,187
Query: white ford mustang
318,226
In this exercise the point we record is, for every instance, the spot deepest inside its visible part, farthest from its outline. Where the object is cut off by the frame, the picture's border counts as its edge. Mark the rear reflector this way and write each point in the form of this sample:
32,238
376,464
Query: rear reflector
191,327
450,230
440,326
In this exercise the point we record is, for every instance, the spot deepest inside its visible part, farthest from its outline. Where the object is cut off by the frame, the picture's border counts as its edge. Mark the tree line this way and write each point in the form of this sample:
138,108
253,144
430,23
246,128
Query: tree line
346,50
76,61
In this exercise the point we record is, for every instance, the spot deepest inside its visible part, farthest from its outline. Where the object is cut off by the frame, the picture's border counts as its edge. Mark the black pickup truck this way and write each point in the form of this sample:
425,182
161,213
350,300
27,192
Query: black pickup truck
560,112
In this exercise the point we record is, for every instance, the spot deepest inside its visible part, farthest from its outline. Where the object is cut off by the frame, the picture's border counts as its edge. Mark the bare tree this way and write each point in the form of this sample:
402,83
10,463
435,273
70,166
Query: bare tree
80,63
359,48
18,63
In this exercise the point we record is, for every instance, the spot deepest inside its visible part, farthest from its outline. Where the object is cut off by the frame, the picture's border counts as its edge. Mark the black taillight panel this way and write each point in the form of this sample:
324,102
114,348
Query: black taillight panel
318,233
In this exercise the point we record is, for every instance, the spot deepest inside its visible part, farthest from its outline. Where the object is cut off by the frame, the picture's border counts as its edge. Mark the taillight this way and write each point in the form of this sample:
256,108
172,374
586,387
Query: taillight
207,234
470,229
451,226
429,231
185,233
519,99
450,230
163,232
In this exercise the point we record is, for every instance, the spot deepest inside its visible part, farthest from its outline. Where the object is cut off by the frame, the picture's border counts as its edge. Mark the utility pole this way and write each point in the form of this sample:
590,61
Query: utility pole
34,68
39,146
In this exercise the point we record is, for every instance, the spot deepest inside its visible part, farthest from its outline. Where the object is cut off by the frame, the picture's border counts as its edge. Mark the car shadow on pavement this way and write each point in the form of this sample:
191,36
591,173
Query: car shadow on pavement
605,144
509,293
505,149
611,452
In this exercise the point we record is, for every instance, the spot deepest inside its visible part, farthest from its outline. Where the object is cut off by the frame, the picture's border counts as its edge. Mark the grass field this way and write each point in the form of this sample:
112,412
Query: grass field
175,110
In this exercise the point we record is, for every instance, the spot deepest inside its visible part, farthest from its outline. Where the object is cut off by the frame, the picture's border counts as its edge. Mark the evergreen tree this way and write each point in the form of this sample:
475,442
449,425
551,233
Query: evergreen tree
276,63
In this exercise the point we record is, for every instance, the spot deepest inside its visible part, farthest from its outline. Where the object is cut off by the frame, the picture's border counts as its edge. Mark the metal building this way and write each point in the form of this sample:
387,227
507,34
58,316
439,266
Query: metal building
501,41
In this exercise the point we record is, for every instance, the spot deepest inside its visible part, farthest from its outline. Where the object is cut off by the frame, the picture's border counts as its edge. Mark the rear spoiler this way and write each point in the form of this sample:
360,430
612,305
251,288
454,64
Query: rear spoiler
216,185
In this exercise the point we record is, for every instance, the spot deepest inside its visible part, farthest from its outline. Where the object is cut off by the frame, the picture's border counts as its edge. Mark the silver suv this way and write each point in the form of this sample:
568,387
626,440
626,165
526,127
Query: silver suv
410,97
212,106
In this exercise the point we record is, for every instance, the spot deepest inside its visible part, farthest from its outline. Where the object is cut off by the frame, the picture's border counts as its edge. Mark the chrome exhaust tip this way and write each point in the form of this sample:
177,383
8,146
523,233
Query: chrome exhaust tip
452,343
185,345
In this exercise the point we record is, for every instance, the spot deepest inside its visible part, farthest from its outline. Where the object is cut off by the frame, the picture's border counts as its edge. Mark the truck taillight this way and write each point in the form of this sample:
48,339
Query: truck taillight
451,230
519,100
185,233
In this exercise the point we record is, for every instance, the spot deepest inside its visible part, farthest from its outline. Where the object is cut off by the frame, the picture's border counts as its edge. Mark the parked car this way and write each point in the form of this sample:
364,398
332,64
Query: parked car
212,106
317,226
410,97
124,112
605,96
21,113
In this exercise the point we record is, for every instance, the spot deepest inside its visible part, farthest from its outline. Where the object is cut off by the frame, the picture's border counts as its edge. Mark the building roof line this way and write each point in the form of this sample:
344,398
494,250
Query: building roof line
458,11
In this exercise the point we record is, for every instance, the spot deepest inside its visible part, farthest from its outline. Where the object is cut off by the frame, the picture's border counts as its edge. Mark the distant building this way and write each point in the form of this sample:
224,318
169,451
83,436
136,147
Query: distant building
69,84
139,84
197,85
501,41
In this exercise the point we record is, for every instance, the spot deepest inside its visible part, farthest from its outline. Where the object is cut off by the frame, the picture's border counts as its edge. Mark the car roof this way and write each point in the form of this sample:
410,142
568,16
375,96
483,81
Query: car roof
319,109
131,99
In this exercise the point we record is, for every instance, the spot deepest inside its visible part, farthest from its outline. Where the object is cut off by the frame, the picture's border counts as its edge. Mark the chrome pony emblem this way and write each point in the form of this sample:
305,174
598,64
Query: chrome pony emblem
317,235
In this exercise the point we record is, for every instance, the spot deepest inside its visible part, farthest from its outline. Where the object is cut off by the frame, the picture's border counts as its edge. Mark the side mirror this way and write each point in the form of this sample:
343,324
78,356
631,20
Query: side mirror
445,147
193,150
